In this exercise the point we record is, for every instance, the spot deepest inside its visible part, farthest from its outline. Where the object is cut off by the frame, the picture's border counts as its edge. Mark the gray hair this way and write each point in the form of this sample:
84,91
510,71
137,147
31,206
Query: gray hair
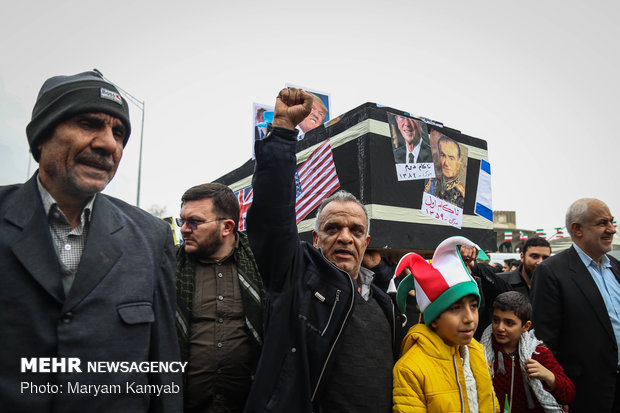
341,196
578,212
444,138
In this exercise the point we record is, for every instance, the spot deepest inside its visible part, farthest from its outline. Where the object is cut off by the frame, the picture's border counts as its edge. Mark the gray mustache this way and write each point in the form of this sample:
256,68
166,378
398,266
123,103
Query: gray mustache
99,161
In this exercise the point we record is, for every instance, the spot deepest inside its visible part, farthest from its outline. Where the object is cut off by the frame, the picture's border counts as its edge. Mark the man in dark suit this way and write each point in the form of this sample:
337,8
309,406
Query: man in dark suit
576,300
415,149
87,281
259,118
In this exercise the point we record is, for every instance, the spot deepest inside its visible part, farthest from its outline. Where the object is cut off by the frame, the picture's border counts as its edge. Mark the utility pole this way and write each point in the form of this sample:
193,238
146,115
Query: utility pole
140,104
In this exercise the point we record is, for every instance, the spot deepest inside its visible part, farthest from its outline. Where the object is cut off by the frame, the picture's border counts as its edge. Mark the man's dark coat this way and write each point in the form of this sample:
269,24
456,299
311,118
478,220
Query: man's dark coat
120,308
571,318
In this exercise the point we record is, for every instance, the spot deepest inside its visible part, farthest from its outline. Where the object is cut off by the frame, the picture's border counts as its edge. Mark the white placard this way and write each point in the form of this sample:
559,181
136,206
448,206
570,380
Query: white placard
413,171
442,210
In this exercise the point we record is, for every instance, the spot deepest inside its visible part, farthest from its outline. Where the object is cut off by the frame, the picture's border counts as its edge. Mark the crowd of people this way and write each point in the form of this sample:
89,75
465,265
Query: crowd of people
265,322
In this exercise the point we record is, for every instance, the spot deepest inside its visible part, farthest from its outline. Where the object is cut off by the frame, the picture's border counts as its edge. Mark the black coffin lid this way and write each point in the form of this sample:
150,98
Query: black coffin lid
363,155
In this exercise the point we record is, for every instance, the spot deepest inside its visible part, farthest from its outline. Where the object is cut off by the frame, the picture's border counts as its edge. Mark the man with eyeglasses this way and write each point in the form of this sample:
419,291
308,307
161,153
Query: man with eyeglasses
84,277
576,307
219,301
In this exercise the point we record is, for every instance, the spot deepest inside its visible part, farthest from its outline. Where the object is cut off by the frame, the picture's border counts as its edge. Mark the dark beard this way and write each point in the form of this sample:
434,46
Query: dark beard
209,246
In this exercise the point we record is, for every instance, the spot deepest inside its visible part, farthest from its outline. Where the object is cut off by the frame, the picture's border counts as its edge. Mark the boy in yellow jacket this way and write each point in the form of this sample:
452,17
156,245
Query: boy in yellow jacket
442,368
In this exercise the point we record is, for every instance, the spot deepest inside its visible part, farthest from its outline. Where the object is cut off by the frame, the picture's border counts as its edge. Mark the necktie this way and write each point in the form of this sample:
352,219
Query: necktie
410,157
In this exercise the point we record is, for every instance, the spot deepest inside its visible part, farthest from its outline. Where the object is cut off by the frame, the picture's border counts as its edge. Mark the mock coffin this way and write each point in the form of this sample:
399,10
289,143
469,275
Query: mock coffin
420,180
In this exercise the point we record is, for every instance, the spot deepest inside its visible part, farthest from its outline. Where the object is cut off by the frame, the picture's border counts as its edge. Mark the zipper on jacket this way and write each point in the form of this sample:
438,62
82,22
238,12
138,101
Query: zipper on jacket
493,395
331,350
332,312
394,326
458,382
512,379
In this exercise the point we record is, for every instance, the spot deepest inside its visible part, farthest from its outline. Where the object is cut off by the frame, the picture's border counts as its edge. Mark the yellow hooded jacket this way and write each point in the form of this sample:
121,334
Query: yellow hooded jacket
429,375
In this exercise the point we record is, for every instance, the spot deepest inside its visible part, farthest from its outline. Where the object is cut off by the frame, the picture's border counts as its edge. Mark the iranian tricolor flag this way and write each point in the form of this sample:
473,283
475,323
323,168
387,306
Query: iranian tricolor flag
507,235
559,233
541,233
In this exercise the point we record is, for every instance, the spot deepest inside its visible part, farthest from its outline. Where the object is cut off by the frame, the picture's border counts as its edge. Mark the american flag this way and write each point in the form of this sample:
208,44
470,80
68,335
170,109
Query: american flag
315,180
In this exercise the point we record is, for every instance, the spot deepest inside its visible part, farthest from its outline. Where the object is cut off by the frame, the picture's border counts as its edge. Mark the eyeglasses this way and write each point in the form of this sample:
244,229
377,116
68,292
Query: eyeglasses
193,224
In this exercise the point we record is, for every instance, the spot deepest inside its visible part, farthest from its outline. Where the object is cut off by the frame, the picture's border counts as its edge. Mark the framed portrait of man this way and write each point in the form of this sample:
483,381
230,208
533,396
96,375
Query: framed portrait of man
450,159
320,110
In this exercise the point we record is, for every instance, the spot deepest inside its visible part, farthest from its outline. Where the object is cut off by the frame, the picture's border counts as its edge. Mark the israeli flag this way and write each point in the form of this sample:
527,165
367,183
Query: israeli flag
484,206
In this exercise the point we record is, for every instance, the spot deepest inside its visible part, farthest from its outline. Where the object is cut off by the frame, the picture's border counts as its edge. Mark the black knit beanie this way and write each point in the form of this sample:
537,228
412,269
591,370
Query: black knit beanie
62,97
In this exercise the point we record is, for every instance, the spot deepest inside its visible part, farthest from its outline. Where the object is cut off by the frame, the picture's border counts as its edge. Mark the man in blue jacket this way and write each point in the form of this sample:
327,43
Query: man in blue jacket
330,334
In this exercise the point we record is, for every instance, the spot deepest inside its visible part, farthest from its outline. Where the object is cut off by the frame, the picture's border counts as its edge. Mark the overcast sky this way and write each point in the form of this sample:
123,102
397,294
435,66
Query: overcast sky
538,80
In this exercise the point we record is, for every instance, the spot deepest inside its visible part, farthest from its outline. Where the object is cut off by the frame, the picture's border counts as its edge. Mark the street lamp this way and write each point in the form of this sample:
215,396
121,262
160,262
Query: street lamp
140,104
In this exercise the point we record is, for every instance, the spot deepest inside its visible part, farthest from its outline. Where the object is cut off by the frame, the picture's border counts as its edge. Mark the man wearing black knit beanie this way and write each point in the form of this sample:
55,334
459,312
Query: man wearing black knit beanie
87,281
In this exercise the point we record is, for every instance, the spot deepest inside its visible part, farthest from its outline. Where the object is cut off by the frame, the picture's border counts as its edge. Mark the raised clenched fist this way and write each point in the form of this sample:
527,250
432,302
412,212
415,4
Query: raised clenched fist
292,106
